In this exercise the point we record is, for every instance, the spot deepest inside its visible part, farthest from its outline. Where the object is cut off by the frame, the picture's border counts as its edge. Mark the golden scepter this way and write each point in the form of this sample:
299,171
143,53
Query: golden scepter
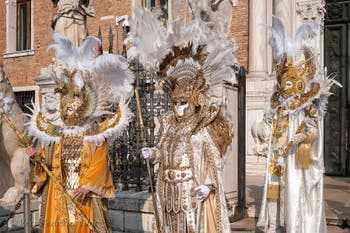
298,131
144,142
27,142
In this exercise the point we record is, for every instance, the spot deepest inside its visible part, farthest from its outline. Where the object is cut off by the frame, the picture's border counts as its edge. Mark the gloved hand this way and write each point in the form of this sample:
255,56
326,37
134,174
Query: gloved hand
202,192
146,152
30,150
297,138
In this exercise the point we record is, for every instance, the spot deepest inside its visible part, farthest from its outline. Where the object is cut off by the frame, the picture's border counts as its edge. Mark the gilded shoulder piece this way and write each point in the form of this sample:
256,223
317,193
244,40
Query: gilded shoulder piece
111,127
47,126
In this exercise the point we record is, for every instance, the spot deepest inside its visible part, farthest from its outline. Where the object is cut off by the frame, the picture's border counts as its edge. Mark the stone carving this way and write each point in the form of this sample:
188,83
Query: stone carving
50,107
312,10
14,163
218,12
261,134
70,18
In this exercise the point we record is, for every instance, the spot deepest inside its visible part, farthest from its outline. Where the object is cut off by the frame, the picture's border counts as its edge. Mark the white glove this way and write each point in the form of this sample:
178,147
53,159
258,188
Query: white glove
297,138
202,192
146,152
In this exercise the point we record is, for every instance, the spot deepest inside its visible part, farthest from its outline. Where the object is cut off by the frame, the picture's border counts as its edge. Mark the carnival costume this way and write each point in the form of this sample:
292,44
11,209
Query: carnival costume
93,110
293,192
191,63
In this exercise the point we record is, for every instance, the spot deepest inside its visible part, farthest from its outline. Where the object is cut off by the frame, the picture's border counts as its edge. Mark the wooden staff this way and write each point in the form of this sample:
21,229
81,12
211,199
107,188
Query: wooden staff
144,142
27,142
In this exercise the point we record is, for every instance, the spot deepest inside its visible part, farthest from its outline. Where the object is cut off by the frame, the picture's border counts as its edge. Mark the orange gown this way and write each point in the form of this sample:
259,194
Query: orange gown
94,175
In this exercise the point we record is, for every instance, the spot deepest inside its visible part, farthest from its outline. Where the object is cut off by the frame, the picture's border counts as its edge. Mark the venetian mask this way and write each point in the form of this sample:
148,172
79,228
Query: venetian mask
291,83
76,103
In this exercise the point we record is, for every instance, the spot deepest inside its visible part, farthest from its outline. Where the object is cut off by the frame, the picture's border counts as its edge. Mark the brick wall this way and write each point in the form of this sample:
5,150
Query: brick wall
22,70
239,30
106,10
239,26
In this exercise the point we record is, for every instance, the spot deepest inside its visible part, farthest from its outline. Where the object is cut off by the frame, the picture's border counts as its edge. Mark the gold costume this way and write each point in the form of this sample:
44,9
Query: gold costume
293,190
76,149
92,172
192,64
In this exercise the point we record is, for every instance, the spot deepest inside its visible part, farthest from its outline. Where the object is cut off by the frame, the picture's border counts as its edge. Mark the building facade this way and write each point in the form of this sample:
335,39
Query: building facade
25,33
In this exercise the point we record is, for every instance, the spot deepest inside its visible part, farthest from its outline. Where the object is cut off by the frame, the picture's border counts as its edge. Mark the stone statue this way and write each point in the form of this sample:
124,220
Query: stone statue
217,12
70,18
14,163
260,132
50,108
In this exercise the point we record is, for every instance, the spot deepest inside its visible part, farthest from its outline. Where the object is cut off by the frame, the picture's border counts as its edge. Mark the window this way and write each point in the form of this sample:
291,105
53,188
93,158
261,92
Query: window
19,28
23,25
24,99
150,4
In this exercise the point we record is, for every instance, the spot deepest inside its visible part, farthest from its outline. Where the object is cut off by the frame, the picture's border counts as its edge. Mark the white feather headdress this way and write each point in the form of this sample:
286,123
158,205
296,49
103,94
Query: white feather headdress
283,44
292,54
169,48
89,86
110,68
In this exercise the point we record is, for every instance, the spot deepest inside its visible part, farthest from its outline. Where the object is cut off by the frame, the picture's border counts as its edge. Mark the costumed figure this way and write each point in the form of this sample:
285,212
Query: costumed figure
70,18
293,192
93,110
191,62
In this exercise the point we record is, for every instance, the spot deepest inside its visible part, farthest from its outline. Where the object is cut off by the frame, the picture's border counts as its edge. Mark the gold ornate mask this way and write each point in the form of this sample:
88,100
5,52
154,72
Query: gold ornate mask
295,81
76,101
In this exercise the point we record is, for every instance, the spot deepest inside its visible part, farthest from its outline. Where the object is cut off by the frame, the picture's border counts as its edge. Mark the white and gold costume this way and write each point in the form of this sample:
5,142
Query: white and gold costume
293,192
76,149
191,62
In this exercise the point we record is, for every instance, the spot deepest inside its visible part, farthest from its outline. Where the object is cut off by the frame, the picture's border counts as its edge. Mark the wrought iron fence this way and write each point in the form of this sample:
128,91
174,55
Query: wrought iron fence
129,168
127,165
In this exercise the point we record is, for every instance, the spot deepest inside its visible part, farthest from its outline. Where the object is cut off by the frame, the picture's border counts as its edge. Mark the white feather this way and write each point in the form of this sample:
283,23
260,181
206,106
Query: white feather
148,37
281,43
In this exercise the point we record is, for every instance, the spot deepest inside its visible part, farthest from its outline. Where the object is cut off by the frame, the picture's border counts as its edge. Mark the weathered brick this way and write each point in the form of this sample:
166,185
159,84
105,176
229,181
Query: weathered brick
22,70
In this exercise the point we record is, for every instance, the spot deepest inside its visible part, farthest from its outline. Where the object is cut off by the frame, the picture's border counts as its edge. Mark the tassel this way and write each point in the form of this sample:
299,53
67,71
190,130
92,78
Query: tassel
273,192
303,156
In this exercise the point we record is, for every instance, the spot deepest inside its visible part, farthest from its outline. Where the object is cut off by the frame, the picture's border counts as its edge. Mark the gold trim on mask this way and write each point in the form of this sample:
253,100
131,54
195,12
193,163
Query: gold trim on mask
294,82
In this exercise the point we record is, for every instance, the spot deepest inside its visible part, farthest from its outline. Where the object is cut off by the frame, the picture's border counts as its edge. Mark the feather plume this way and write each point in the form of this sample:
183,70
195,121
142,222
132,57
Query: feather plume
148,36
279,37
112,68
63,47
281,43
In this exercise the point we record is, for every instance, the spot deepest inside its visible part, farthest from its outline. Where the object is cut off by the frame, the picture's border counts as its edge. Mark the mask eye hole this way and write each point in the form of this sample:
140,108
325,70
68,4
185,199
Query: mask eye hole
183,102
288,84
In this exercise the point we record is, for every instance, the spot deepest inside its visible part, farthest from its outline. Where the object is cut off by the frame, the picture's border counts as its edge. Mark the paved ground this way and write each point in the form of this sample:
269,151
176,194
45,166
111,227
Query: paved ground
337,201
247,225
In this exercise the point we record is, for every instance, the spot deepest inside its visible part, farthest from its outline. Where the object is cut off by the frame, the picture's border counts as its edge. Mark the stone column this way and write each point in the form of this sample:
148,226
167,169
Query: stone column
259,82
257,39
285,10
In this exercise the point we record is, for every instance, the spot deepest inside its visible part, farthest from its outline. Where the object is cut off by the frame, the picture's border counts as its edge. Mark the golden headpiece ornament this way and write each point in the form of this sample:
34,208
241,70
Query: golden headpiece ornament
189,57
87,84
191,62
88,87
300,80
